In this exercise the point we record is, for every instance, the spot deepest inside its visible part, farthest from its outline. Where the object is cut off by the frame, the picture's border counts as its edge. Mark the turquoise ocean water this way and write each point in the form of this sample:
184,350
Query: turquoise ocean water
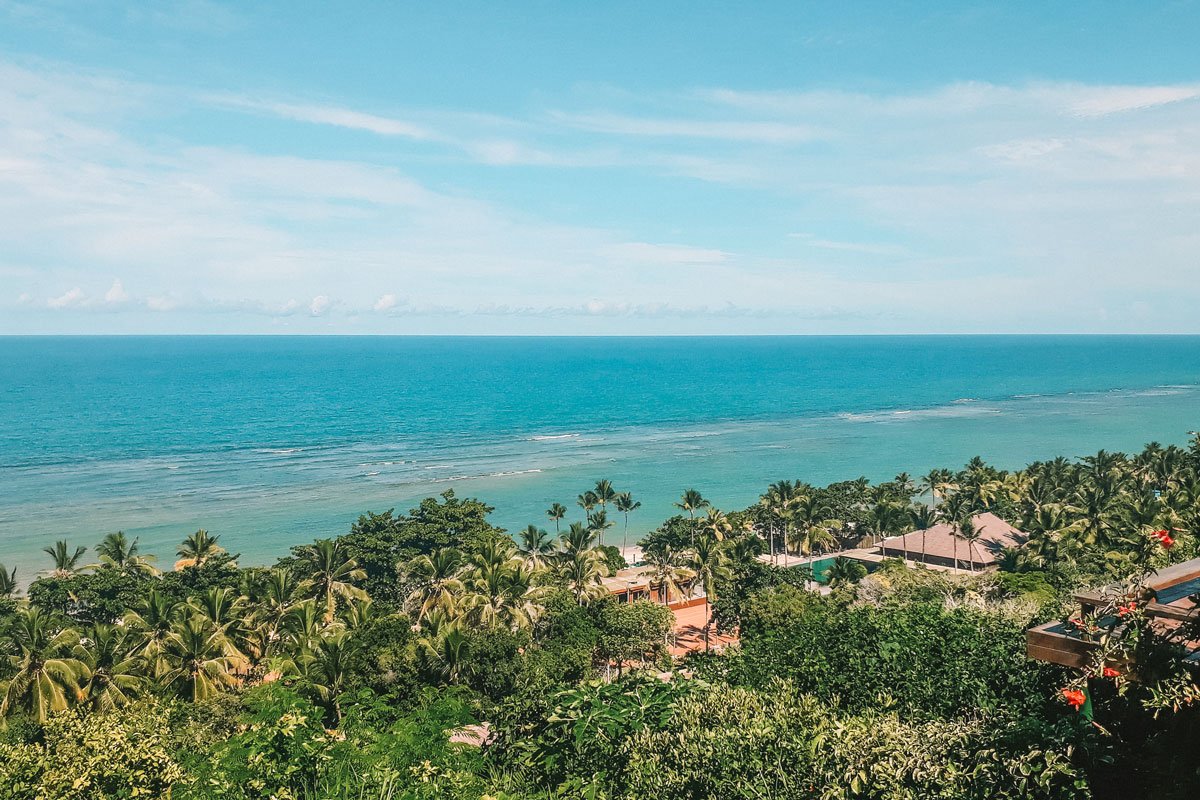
271,441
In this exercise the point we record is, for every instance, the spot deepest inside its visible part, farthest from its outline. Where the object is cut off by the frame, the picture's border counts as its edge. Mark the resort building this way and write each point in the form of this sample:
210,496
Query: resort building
940,544
1172,606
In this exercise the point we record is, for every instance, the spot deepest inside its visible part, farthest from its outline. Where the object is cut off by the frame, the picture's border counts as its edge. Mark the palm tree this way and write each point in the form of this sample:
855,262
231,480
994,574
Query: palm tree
333,575
8,581
937,483
197,548
922,518
502,590
844,571
115,674
327,671
197,661
814,530
668,571
884,518
556,512
537,547
587,501
778,502
447,648
117,552
599,522
626,504
970,533
956,508
65,562
438,582
45,668
577,538
692,501
604,493
708,562
583,573
716,524
151,625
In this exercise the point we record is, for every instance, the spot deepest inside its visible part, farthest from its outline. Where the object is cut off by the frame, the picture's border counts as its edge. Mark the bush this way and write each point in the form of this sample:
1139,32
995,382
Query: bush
124,753
924,659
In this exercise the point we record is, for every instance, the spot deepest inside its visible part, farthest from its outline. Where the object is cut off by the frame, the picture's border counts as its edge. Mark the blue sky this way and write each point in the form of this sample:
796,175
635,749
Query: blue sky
559,168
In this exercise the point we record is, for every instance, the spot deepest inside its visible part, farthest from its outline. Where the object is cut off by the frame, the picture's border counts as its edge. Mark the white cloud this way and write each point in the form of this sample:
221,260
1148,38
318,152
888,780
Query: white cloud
647,253
1103,100
328,115
319,305
70,299
24,299
385,302
161,303
116,294
734,130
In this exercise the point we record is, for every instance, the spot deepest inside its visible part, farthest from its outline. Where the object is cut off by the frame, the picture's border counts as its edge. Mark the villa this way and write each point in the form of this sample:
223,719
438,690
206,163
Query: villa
940,545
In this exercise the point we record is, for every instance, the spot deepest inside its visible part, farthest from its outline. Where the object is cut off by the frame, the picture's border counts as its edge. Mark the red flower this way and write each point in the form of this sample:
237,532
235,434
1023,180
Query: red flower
1164,539
1074,698
1126,609
1109,672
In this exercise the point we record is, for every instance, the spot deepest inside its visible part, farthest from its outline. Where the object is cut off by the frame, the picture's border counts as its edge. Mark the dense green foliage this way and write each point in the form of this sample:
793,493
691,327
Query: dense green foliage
429,655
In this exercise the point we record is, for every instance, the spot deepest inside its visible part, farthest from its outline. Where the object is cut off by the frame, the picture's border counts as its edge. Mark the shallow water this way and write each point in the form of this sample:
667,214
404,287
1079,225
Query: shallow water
272,441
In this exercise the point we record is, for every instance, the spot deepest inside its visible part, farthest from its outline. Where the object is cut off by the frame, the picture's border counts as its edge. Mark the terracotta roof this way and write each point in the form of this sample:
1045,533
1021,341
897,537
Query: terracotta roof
940,543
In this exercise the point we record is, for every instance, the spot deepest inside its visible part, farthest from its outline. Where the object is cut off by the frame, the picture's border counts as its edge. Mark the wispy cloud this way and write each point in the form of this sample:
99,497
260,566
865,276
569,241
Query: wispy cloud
732,130
326,115
1046,200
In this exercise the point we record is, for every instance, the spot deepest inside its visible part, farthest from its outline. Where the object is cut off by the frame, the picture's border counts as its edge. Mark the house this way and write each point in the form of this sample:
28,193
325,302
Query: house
938,544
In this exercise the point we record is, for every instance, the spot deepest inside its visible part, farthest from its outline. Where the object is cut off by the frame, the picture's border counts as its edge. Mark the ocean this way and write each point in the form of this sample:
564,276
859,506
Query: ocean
273,441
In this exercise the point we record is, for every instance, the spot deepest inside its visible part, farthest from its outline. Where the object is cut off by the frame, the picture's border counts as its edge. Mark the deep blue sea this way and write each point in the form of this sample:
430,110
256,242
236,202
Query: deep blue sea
272,441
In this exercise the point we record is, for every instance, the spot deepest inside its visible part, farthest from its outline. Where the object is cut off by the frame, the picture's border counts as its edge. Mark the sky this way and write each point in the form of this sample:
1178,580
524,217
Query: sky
599,168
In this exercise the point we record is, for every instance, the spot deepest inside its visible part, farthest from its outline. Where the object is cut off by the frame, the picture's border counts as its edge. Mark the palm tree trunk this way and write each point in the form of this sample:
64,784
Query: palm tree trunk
625,537
924,551
707,621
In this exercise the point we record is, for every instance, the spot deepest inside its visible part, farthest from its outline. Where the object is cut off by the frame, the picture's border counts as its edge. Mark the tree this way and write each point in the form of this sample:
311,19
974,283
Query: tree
536,547
634,631
970,533
46,672
151,625
115,675
716,524
814,531
438,582
500,589
692,501
604,493
198,665
669,574
845,571
65,561
578,538
583,571
327,671
196,549
777,502
708,563
117,552
626,504
922,518
556,512
332,575
8,581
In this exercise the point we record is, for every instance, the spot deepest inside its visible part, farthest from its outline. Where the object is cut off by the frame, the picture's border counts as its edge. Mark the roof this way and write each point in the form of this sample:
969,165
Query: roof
629,578
1175,588
940,542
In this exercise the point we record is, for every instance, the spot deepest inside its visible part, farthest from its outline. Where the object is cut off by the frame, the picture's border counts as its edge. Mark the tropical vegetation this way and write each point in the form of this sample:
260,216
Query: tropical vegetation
431,654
